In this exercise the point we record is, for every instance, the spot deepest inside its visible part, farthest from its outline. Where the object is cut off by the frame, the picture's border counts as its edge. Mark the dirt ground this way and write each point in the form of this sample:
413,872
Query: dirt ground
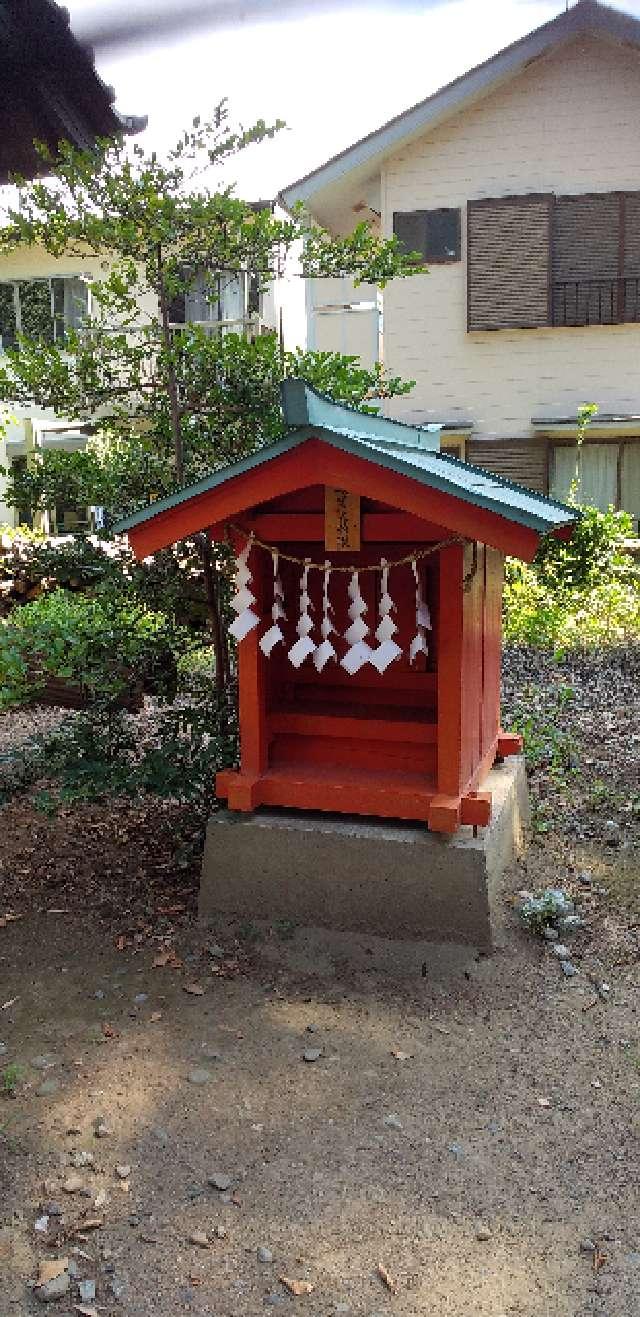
470,1125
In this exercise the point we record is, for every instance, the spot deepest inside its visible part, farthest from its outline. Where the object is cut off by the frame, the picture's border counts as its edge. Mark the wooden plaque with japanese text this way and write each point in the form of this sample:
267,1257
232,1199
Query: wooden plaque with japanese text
341,520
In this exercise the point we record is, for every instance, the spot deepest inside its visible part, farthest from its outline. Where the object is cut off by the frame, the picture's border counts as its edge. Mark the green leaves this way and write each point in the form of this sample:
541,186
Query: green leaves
107,645
228,397
166,405
362,254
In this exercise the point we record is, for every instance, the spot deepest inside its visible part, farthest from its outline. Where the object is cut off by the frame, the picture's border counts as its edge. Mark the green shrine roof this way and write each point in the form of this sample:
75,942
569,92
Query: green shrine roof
408,450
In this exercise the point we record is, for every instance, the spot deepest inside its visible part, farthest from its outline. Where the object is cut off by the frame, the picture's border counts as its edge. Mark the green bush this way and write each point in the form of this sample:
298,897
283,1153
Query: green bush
594,551
170,582
108,645
104,752
579,592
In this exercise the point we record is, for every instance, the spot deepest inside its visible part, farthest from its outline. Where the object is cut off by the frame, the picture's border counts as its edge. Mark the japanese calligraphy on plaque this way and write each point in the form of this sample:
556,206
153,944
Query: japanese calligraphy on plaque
341,520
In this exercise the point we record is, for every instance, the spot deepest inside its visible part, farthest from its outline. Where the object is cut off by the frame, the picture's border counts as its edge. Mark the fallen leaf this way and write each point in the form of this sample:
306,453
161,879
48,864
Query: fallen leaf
386,1278
196,989
48,1269
297,1287
163,958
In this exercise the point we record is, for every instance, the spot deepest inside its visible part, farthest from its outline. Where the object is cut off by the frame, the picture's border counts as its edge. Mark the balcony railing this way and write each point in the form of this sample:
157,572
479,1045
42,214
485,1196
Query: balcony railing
250,326
600,301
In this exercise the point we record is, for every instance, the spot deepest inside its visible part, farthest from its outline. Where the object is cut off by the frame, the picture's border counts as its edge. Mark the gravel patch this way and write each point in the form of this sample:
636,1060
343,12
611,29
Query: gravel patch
19,726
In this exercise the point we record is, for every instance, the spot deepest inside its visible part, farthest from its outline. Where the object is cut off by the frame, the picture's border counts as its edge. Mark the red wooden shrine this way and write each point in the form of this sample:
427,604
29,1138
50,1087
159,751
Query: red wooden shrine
416,741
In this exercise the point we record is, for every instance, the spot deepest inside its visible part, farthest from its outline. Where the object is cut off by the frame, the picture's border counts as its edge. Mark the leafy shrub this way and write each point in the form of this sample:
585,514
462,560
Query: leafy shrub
593,552
534,614
105,752
584,591
540,912
106,644
169,582
75,562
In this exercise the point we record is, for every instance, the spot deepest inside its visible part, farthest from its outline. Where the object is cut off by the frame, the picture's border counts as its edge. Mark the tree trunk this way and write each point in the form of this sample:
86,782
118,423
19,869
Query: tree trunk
218,638
172,383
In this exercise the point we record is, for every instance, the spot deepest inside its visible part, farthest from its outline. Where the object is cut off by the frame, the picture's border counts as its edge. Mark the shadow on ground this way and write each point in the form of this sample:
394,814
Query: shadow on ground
468,1123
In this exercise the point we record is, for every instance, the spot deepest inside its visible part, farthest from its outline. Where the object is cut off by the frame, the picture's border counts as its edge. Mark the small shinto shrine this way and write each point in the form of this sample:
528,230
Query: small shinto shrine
368,591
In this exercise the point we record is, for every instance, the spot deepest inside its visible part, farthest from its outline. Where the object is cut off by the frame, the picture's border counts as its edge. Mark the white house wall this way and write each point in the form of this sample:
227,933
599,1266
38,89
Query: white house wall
570,123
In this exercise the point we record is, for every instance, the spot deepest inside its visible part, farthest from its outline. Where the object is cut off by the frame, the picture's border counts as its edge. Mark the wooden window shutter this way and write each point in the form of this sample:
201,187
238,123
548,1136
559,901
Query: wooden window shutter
630,258
631,247
508,262
586,236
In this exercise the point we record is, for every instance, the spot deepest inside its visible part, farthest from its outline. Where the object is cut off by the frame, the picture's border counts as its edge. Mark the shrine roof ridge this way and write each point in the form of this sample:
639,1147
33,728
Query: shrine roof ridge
389,444
304,405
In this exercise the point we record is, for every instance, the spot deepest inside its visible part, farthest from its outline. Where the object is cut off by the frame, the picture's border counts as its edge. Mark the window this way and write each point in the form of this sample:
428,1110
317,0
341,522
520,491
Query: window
567,261
434,234
7,316
70,305
608,475
42,308
24,515
213,298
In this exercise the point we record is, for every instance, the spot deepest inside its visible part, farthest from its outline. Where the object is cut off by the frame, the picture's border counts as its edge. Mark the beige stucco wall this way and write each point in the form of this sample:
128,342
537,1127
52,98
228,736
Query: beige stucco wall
570,123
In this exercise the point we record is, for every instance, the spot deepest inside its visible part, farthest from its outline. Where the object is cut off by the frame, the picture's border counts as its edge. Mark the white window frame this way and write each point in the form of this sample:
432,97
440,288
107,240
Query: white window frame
82,277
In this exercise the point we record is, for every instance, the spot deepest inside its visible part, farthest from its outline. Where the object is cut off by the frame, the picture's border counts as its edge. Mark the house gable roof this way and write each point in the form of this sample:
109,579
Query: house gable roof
586,18
384,445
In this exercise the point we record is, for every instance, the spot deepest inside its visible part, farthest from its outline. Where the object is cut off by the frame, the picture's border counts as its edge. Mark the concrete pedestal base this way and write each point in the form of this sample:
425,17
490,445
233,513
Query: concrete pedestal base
362,875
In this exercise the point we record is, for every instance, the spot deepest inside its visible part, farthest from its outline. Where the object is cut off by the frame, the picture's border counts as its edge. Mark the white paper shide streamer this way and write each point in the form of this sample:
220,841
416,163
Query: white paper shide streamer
304,646
325,650
359,652
242,600
361,647
275,634
423,620
387,649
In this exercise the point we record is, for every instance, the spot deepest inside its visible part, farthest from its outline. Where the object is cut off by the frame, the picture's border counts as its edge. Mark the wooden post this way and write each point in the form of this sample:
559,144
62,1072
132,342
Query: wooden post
243,788
444,810
450,633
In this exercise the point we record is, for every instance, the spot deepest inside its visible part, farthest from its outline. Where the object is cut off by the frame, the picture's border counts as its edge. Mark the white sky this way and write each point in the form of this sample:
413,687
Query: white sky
332,77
